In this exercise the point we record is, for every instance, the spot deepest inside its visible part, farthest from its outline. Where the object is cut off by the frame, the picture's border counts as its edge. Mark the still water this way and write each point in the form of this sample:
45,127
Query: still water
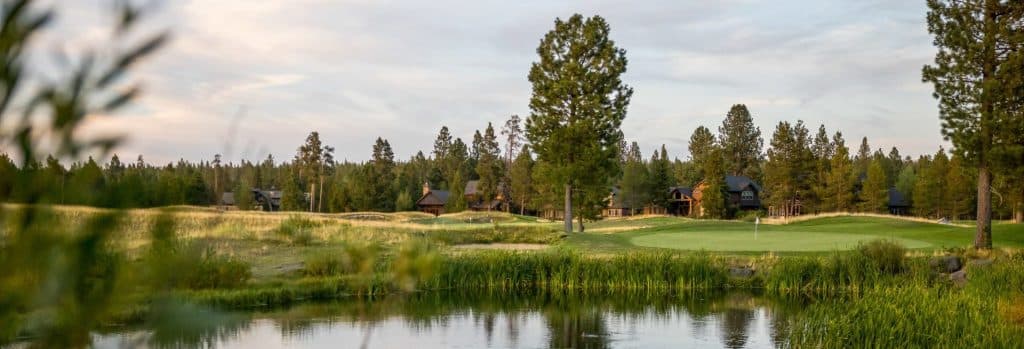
445,320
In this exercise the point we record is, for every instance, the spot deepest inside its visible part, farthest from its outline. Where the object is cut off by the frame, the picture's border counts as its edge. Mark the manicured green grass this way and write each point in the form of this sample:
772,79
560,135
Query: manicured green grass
816,235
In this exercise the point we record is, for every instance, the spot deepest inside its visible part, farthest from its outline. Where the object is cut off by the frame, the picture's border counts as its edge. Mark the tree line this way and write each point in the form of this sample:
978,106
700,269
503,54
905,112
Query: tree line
819,171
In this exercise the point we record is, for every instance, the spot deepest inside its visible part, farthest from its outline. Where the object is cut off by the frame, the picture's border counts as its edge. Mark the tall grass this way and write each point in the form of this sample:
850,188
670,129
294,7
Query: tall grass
906,317
567,270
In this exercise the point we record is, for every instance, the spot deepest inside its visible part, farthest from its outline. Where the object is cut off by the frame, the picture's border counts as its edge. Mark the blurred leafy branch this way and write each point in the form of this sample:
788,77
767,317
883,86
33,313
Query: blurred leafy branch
59,282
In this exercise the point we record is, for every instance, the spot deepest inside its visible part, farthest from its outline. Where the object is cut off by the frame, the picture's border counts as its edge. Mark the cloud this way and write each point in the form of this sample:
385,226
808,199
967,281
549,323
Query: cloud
358,69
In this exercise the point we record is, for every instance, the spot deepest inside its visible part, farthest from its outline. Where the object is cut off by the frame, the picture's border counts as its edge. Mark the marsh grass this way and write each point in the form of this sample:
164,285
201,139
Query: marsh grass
297,230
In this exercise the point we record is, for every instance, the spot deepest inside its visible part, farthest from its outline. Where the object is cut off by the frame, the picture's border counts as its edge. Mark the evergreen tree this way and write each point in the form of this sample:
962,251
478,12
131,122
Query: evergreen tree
839,183
862,160
513,136
875,192
404,202
634,186
381,176
712,189
789,168
292,197
456,195
741,142
577,106
521,179
660,178
823,149
895,162
701,144
243,194
976,74
905,183
489,166
930,189
958,195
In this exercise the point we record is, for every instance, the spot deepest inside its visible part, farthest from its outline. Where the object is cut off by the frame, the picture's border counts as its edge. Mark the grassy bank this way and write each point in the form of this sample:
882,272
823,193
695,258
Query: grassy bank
865,293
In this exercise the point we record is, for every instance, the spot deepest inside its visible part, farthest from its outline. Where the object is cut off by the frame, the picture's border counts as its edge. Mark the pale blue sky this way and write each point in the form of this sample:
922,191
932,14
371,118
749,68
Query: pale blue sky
250,77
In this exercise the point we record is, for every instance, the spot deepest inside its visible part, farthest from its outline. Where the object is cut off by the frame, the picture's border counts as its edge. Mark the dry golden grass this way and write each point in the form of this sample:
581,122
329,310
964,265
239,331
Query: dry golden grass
803,218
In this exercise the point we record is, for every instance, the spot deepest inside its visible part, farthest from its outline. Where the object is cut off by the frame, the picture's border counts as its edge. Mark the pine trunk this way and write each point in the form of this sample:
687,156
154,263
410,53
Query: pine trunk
983,232
581,223
568,208
1018,212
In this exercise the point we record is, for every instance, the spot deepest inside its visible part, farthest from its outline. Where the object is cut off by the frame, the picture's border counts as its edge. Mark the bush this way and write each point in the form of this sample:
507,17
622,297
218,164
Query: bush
888,256
189,266
218,271
351,259
297,230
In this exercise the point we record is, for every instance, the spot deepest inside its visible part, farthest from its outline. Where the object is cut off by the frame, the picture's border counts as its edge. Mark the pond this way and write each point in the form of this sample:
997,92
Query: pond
451,320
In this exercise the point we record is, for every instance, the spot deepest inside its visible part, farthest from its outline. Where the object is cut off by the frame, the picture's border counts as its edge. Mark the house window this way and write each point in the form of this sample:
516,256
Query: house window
747,195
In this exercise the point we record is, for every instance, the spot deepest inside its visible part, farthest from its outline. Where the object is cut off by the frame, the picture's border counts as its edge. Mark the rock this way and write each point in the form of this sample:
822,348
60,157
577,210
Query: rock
981,262
959,278
741,272
946,264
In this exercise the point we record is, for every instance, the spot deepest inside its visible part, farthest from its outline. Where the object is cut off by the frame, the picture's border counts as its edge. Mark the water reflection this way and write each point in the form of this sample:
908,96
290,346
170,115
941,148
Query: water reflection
475,320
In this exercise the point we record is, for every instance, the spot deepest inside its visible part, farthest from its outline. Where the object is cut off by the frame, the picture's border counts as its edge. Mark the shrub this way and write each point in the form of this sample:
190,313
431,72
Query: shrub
888,256
217,271
297,230
350,259
190,266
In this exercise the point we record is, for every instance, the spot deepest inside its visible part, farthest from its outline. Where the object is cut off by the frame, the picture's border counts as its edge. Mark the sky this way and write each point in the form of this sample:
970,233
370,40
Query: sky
248,78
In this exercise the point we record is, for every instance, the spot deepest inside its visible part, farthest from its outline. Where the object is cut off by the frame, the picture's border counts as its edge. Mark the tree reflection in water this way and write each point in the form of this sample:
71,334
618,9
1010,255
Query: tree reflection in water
529,320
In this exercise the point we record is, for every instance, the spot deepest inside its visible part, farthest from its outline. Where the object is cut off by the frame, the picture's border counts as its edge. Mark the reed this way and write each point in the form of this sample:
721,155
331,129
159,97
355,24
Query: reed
906,317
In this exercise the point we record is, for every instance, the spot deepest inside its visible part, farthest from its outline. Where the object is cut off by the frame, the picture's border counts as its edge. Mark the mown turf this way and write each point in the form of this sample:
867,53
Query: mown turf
817,235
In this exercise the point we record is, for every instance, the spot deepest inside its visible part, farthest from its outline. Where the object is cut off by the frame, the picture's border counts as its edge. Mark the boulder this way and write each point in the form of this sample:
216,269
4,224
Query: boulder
946,264
959,278
741,272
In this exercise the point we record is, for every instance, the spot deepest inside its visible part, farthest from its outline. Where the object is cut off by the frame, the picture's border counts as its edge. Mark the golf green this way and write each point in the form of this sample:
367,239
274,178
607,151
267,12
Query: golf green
735,240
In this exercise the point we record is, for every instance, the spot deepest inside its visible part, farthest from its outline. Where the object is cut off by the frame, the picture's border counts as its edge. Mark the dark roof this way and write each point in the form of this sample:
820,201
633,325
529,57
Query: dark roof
473,187
738,183
684,190
896,198
440,197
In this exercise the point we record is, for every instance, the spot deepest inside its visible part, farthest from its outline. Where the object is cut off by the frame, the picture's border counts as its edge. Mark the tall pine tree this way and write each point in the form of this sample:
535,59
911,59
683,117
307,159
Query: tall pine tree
976,66
577,106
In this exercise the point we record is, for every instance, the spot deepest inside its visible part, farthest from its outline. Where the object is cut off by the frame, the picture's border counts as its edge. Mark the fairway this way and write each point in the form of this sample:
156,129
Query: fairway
735,240
813,235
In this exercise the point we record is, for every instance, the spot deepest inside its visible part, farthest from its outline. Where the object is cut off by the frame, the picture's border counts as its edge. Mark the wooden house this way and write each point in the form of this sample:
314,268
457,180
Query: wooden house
432,201
680,201
741,193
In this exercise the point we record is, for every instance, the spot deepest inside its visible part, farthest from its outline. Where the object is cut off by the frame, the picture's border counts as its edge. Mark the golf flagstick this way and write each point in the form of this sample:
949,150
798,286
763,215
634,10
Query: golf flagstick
757,221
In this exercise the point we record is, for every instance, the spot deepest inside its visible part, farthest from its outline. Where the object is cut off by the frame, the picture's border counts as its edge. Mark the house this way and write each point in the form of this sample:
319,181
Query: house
476,202
266,200
680,201
898,204
616,207
741,193
433,200
552,212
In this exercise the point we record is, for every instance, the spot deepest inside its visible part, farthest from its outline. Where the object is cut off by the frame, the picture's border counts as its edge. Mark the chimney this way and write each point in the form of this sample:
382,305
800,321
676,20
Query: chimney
426,188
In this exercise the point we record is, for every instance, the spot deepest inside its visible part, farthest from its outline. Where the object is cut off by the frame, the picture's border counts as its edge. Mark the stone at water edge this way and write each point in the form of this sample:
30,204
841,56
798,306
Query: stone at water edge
741,272
946,264
959,278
